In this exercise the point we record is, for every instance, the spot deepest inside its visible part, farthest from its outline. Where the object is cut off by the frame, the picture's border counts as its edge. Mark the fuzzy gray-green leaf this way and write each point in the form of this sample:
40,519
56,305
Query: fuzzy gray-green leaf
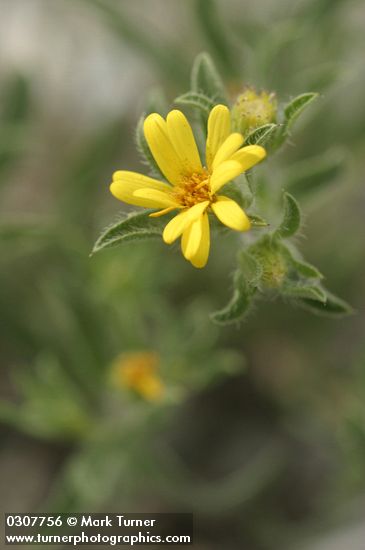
291,220
257,221
314,174
250,268
197,100
218,37
135,226
239,304
332,307
245,282
301,267
296,107
303,290
261,135
239,192
205,79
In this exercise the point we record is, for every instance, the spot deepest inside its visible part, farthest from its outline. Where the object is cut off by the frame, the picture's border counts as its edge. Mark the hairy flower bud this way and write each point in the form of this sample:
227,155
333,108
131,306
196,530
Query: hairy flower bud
275,271
273,262
252,110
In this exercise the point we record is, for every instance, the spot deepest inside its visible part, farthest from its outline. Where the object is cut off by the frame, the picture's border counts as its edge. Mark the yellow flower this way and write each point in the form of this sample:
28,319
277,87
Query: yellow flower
137,371
192,187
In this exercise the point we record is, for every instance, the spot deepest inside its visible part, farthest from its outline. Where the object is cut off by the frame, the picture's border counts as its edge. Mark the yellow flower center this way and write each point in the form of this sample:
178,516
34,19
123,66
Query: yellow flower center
193,189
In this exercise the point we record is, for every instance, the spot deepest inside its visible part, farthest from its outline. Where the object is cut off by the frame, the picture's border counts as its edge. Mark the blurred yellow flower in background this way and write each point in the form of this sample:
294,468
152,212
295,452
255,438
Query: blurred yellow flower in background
192,187
137,371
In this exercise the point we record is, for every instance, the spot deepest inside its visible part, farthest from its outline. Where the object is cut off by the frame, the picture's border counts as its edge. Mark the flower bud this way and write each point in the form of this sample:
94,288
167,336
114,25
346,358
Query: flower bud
275,271
252,110
274,265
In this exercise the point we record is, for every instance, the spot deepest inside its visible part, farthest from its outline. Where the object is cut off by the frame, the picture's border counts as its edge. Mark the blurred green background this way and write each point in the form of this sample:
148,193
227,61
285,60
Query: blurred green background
261,431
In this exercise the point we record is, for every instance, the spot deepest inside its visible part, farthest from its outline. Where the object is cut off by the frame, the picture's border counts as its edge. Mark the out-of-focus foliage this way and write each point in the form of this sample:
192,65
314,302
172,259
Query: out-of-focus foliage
260,429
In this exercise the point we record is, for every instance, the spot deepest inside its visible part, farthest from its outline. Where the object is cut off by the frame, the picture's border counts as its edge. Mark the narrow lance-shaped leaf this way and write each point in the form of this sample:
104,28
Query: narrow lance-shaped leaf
250,267
15,109
291,112
256,220
332,307
315,174
238,305
135,226
239,192
296,107
24,230
156,102
15,104
291,220
213,26
245,282
197,100
301,267
261,135
303,289
206,80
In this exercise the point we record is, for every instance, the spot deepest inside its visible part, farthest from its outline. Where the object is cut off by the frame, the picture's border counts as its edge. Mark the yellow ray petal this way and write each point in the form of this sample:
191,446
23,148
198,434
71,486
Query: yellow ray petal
201,257
191,239
153,198
126,183
219,128
229,213
161,212
249,156
226,150
225,172
179,223
164,153
183,141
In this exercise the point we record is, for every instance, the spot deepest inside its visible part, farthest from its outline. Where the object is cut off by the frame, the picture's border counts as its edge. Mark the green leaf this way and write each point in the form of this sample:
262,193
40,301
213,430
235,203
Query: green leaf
15,100
23,230
239,192
315,174
245,282
197,100
156,102
302,290
135,226
257,221
86,167
303,269
213,26
250,267
297,106
291,220
239,304
261,135
291,112
15,103
10,414
332,307
206,80
145,152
